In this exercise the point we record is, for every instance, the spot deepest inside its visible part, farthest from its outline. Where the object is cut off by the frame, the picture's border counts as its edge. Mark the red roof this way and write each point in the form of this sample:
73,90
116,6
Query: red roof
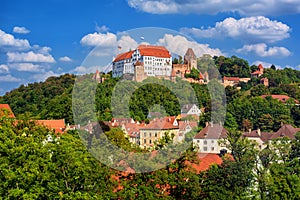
201,75
7,108
123,56
161,124
214,131
206,160
58,124
235,79
156,51
280,97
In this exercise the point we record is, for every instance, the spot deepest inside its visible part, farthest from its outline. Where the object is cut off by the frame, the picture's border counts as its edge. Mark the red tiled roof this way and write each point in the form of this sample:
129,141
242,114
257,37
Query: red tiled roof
123,56
260,66
156,51
280,97
201,75
7,108
206,160
58,125
236,79
161,124
184,124
214,131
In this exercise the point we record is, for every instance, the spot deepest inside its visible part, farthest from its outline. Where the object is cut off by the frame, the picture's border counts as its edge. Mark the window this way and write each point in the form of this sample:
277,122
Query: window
144,134
155,135
205,142
198,141
213,148
145,141
204,148
150,141
150,134
212,141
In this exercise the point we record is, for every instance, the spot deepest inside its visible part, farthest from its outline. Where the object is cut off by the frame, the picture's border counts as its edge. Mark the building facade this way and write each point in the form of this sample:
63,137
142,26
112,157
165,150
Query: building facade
156,61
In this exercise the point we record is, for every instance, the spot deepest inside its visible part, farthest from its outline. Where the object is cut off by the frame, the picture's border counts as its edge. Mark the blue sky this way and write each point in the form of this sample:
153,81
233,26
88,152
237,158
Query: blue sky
39,39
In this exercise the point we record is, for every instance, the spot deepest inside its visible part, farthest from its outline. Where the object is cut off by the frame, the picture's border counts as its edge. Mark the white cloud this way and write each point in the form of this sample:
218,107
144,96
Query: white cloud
265,64
102,28
250,29
29,57
28,67
99,40
4,69
244,7
85,70
21,30
65,59
9,78
263,50
126,43
179,45
44,76
9,41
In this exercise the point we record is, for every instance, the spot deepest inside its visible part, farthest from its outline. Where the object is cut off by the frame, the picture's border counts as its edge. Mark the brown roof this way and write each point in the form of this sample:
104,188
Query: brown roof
286,130
57,124
213,131
7,108
264,136
206,160
190,54
156,51
184,124
123,56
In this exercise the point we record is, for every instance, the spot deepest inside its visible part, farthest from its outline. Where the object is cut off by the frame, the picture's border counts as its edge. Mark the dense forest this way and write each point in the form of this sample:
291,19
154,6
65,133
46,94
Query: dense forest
35,164
245,109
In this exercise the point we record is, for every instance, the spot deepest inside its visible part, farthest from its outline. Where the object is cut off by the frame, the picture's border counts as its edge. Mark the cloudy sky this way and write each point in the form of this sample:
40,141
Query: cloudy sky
39,39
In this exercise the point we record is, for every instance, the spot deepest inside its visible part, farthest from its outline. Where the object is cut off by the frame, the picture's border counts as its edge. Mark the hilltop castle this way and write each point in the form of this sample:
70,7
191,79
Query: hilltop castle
152,61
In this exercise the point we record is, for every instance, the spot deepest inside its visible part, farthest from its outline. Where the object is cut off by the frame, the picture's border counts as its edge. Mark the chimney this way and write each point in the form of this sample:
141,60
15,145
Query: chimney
258,132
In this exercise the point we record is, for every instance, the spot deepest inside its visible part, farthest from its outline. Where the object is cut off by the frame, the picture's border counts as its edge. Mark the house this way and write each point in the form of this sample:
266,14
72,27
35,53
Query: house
190,109
207,140
258,72
155,61
156,129
58,125
6,110
185,127
286,130
230,81
264,81
261,138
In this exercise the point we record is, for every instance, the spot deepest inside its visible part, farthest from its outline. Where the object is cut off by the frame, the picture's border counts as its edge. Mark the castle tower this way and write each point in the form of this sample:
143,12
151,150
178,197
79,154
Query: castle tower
190,59
139,72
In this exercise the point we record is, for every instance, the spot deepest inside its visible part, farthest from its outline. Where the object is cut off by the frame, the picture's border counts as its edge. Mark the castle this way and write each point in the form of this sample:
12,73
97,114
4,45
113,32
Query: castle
153,61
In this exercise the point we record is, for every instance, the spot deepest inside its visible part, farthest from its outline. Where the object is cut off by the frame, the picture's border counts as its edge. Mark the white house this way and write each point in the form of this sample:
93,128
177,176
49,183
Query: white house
207,140
191,109
157,61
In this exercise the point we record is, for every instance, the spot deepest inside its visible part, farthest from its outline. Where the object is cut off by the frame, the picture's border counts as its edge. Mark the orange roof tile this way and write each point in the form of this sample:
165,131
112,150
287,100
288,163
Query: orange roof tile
235,79
7,108
206,160
58,125
123,56
161,124
280,97
156,51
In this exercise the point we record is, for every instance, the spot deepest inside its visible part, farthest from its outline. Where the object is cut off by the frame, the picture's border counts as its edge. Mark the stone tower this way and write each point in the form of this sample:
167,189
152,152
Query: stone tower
190,59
